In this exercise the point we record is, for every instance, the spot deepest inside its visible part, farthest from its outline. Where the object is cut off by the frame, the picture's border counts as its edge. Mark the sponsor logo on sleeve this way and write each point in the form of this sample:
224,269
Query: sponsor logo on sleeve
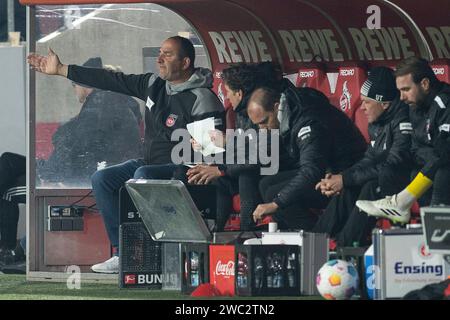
405,127
303,132
445,127
149,103
439,102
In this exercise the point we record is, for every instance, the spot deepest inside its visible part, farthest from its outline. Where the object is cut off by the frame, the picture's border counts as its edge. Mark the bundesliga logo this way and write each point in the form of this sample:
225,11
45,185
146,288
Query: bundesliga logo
130,279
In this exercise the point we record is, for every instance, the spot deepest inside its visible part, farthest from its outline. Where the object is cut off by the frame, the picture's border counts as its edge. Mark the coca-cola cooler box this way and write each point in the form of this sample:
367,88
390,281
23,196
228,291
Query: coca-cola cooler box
313,254
221,262
195,266
402,263
267,270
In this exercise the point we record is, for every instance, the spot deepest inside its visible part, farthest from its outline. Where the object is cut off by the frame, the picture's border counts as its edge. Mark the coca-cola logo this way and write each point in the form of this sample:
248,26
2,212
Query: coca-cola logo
225,269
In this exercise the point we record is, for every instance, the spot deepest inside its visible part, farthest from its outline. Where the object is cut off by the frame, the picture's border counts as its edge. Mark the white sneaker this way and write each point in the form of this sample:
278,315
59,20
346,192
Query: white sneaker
109,266
385,208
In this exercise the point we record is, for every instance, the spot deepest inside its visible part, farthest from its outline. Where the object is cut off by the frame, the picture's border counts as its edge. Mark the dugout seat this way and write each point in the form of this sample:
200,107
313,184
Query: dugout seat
313,75
441,69
346,97
361,123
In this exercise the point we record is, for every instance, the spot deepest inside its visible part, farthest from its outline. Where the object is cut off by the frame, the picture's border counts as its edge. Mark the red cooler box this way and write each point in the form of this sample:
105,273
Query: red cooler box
221,268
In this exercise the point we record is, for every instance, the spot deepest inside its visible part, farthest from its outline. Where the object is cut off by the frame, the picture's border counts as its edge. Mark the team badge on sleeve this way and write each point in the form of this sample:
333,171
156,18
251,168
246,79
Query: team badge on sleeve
171,119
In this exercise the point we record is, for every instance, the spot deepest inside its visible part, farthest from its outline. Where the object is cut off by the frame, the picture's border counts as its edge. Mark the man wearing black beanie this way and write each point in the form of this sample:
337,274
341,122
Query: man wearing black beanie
429,104
385,167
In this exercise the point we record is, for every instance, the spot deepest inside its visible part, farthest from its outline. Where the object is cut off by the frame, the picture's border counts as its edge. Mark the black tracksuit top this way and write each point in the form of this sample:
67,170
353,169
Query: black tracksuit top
168,107
389,151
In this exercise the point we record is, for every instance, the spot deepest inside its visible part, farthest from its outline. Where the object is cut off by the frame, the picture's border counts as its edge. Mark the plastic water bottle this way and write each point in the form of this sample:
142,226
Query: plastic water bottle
291,270
242,270
259,270
270,271
195,278
278,277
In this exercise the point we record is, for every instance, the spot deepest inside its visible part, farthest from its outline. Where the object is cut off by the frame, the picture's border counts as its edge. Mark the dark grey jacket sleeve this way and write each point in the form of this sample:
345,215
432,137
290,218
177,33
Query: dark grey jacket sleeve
439,154
374,162
131,84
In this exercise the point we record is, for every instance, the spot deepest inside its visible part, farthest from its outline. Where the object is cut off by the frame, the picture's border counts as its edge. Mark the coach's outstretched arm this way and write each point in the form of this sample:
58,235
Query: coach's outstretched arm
49,64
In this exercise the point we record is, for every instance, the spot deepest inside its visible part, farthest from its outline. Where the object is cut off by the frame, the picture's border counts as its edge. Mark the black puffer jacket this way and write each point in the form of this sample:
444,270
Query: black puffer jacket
318,139
168,107
431,124
389,148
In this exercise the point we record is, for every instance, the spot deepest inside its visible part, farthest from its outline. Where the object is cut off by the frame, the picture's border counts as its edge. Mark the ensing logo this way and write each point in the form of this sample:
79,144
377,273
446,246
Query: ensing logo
400,268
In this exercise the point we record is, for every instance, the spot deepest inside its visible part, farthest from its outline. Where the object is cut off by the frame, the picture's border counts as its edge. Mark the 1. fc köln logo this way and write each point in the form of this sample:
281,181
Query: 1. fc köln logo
171,119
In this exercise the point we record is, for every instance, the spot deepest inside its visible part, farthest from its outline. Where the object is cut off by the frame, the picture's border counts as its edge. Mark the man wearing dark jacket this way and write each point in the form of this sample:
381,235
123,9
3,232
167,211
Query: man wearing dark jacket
179,95
239,81
384,169
12,192
105,130
429,102
315,138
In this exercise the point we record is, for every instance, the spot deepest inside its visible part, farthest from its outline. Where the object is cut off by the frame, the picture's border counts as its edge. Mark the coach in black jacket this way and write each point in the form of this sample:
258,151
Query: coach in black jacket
179,95
239,81
384,169
315,138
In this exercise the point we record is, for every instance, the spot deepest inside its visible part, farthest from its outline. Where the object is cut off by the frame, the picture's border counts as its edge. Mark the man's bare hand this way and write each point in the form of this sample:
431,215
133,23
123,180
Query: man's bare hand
218,138
195,145
331,185
49,64
263,210
202,174
320,185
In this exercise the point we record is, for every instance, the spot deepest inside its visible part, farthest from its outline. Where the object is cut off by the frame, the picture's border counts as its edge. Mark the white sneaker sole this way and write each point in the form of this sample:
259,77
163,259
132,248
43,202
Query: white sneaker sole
104,271
391,214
